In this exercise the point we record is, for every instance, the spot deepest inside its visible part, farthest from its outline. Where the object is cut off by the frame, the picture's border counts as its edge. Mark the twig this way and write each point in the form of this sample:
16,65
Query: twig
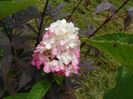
108,19
75,8
122,6
41,23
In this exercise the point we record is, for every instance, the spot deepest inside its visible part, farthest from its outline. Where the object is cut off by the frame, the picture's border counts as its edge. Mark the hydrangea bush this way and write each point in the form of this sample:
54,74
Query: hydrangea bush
43,68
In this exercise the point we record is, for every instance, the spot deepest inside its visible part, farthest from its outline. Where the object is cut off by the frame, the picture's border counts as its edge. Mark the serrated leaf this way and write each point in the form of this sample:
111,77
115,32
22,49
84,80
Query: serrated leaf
124,86
18,96
9,7
39,90
117,45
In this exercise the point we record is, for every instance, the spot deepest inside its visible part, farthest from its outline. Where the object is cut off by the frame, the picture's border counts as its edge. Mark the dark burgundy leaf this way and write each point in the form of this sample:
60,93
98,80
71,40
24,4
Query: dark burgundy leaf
127,22
128,18
88,64
25,78
62,15
19,40
24,16
95,51
1,52
21,17
2,92
82,32
55,12
8,22
105,6
59,8
1,83
49,10
87,52
26,30
31,28
5,64
3,39
130,12
27,54
91,29
5,61
112,10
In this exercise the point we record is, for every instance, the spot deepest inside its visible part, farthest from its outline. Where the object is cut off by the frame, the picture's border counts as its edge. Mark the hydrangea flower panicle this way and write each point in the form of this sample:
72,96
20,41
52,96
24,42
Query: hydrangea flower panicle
59,50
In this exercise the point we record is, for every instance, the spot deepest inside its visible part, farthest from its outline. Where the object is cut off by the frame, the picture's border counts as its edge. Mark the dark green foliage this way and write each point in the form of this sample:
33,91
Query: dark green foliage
117,45
124,86
39,90
9,7
17,96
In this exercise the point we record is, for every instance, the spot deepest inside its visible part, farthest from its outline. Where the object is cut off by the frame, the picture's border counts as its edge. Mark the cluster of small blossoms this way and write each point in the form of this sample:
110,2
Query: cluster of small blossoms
59,50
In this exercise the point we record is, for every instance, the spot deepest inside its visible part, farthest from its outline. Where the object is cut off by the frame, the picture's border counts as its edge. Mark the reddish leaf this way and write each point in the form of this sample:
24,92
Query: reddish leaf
19,40
5,64
127,21
130,12
24,16
25,78
105,6
128,18
56,12
4,39
91,29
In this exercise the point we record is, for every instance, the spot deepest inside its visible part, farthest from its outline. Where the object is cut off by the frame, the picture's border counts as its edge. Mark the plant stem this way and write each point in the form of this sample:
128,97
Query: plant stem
41,23
75,8
108,18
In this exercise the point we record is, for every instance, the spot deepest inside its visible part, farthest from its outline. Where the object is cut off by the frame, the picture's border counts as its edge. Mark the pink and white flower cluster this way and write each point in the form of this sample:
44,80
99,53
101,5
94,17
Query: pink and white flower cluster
59,50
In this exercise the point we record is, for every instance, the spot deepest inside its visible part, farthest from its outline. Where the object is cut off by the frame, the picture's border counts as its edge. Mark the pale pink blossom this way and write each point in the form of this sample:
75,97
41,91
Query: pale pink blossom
59,50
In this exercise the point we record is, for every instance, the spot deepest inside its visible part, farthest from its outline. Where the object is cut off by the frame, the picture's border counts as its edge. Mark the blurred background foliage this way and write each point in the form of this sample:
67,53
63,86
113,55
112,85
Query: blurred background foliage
84,15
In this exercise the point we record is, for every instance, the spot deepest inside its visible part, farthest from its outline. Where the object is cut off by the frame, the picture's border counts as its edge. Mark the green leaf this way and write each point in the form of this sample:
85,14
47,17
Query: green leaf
117,45
18,96
39,90
124,86
9,7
